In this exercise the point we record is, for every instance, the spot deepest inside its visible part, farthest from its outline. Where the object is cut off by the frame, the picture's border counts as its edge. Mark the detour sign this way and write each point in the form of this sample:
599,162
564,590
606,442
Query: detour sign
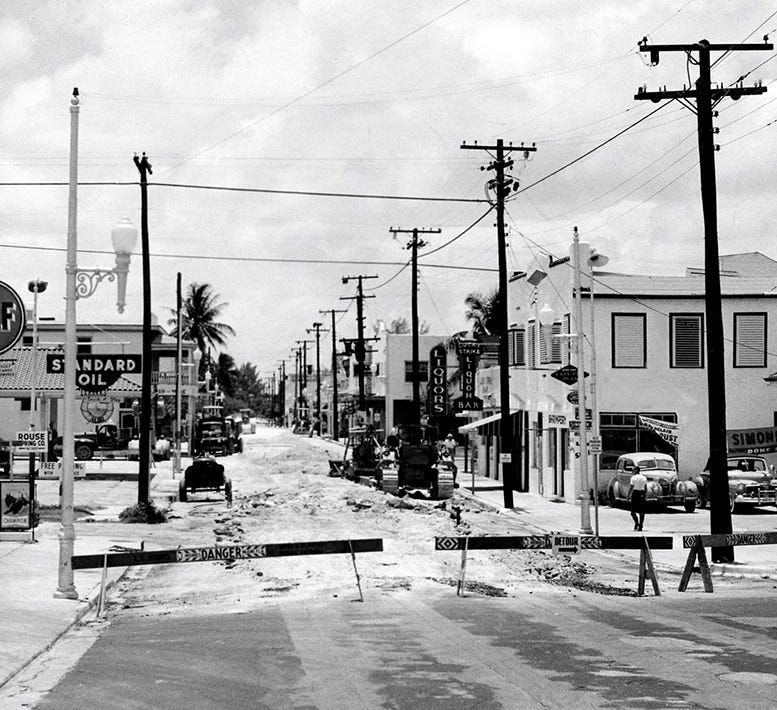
95,373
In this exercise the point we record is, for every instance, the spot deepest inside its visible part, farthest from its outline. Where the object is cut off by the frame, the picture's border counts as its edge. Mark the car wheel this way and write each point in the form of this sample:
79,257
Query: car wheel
83,452
182,492
611,496
690,506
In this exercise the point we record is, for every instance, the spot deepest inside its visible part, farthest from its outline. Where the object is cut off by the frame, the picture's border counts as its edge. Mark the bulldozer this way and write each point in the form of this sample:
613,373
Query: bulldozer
413,466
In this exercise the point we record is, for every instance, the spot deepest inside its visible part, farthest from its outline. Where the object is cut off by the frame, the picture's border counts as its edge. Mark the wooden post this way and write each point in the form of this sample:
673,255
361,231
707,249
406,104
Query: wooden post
356,571
463,572
101,598
646,569
697,551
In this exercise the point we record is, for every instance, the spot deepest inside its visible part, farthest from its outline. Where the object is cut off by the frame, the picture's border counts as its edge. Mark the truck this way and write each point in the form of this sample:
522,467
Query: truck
216,436
109,439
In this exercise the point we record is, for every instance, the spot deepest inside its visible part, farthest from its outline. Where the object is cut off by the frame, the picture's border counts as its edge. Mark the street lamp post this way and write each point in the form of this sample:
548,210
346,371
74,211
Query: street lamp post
80,284
585,509
37,286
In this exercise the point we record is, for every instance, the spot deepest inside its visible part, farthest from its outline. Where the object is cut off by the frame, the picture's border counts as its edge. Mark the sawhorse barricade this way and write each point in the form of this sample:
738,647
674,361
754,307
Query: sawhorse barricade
226,553
562,543
697,543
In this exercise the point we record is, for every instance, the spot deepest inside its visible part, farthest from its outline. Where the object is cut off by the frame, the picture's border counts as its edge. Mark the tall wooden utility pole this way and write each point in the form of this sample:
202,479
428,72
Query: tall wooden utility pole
335,413
361,349
144,452
707,97
501,187
317,330
414,244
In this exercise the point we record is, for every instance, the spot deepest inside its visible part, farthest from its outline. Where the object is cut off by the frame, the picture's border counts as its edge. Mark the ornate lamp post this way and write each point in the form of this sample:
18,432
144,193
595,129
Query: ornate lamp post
80,284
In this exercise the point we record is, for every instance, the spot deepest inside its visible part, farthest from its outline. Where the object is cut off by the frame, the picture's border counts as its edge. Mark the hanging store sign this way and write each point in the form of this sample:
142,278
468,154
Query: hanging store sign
668,431
752,441
95,373
469,353
438,381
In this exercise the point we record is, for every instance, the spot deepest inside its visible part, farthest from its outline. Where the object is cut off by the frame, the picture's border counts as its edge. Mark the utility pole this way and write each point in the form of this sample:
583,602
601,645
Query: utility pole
282,391
144,453
414,244
501,186
335,413
303,345
707,97
361,349
317,328
296,384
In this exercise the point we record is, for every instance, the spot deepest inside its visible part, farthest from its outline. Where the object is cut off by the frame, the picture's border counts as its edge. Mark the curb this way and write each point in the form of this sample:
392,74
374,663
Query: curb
91,603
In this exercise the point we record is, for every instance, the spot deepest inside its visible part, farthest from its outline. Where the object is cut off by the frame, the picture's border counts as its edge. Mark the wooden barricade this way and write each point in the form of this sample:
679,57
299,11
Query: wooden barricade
563,543
228,553
697,543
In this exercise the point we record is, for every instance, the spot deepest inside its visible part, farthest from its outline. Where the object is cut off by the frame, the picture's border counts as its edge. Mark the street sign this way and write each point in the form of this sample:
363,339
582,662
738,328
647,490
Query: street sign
95,373
565,544
588,415
595,445
505,458
567,374
438,381
15,511
574,424
30,442
573,397
53,469
13,318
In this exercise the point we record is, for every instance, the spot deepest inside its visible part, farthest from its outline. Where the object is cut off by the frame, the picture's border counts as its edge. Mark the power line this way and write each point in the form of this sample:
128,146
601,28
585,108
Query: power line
332,79
250,259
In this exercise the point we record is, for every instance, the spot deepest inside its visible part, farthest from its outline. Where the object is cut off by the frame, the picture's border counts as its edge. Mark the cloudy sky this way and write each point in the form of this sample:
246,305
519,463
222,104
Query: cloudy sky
367,97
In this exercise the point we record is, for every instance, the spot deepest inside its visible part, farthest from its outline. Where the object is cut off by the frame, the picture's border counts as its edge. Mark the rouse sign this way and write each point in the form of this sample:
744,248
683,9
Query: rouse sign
95,373
30,441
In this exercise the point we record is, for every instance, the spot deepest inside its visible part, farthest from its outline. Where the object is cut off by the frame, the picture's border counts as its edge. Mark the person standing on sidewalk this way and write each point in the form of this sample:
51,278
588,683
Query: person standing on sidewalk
637,490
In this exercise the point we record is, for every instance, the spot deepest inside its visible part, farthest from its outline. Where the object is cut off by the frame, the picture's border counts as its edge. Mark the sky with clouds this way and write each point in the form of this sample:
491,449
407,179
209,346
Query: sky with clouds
366,97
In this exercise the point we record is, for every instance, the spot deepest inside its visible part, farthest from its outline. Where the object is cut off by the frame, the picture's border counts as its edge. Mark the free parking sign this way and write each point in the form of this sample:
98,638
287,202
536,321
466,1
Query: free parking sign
12,317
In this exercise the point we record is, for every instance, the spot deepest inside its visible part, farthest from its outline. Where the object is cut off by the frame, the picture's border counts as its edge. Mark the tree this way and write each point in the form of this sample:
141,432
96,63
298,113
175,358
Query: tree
483,311
400,326
200,311
225,374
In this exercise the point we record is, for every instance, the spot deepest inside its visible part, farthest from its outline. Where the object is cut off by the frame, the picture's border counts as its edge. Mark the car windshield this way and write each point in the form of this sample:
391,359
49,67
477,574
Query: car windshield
214,428
661,464
747,464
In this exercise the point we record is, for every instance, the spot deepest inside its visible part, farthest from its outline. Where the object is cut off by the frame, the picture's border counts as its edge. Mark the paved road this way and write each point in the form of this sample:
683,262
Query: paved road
437,651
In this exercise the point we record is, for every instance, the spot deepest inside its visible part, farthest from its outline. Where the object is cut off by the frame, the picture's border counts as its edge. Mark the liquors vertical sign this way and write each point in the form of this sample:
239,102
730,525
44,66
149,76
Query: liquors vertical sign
438,381
469,352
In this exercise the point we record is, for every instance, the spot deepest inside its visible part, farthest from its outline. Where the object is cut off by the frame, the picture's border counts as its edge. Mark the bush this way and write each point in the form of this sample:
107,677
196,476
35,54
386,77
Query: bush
143,513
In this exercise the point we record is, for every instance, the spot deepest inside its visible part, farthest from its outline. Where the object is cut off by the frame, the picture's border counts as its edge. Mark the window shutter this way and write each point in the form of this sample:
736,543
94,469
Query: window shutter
555,343
688,348
749,340
519,347
531,354
628,340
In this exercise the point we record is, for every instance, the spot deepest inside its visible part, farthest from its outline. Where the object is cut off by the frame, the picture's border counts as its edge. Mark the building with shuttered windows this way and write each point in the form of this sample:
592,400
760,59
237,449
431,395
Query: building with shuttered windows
648,340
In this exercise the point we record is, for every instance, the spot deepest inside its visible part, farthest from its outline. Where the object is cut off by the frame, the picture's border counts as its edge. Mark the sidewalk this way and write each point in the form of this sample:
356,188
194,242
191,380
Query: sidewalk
34,620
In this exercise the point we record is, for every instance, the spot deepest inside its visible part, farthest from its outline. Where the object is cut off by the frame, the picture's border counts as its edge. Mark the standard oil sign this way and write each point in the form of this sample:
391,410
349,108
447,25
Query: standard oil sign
95,373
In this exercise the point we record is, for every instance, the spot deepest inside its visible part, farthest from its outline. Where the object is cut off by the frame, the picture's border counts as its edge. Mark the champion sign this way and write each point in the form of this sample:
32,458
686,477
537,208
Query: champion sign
95,373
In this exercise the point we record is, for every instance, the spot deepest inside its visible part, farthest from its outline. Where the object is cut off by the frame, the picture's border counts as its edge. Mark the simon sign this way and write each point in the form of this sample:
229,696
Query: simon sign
12,317
95,373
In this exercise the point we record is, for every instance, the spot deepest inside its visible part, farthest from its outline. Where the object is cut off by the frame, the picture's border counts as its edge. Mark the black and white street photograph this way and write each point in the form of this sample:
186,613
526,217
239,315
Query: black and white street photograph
362,355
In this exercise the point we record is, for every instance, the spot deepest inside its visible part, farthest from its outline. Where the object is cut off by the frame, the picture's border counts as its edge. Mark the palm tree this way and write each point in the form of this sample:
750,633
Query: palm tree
225,374
200,311
483,311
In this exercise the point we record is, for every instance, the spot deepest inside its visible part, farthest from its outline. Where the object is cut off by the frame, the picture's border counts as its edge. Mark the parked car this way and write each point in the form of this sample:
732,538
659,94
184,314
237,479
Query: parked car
664,484
204,474
750,483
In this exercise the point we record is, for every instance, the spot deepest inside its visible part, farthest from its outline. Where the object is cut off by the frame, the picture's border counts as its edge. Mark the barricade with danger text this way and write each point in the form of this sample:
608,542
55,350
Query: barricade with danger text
228,553
561,543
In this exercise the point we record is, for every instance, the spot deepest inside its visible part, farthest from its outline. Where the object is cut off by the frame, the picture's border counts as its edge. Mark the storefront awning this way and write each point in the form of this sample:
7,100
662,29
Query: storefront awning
491,425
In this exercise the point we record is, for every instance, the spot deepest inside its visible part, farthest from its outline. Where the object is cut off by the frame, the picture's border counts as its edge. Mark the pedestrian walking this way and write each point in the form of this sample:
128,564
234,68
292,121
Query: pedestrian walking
450,446
637,489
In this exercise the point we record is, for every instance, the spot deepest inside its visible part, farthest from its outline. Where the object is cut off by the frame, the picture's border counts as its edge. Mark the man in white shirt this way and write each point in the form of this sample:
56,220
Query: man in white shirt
637,490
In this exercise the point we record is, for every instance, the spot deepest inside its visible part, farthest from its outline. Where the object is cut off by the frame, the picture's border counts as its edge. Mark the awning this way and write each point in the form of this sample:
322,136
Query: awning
491,425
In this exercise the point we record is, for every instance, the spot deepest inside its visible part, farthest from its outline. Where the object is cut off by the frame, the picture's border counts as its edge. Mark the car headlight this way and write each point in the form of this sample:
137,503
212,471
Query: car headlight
740,487
682,487
655,487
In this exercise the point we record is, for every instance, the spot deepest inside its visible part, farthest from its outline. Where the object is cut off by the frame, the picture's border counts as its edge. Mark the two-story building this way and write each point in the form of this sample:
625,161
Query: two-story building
645,352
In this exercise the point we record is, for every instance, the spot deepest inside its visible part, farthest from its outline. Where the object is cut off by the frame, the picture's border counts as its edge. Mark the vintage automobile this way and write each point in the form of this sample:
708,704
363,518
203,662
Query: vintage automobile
750,483
204,474
664,485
